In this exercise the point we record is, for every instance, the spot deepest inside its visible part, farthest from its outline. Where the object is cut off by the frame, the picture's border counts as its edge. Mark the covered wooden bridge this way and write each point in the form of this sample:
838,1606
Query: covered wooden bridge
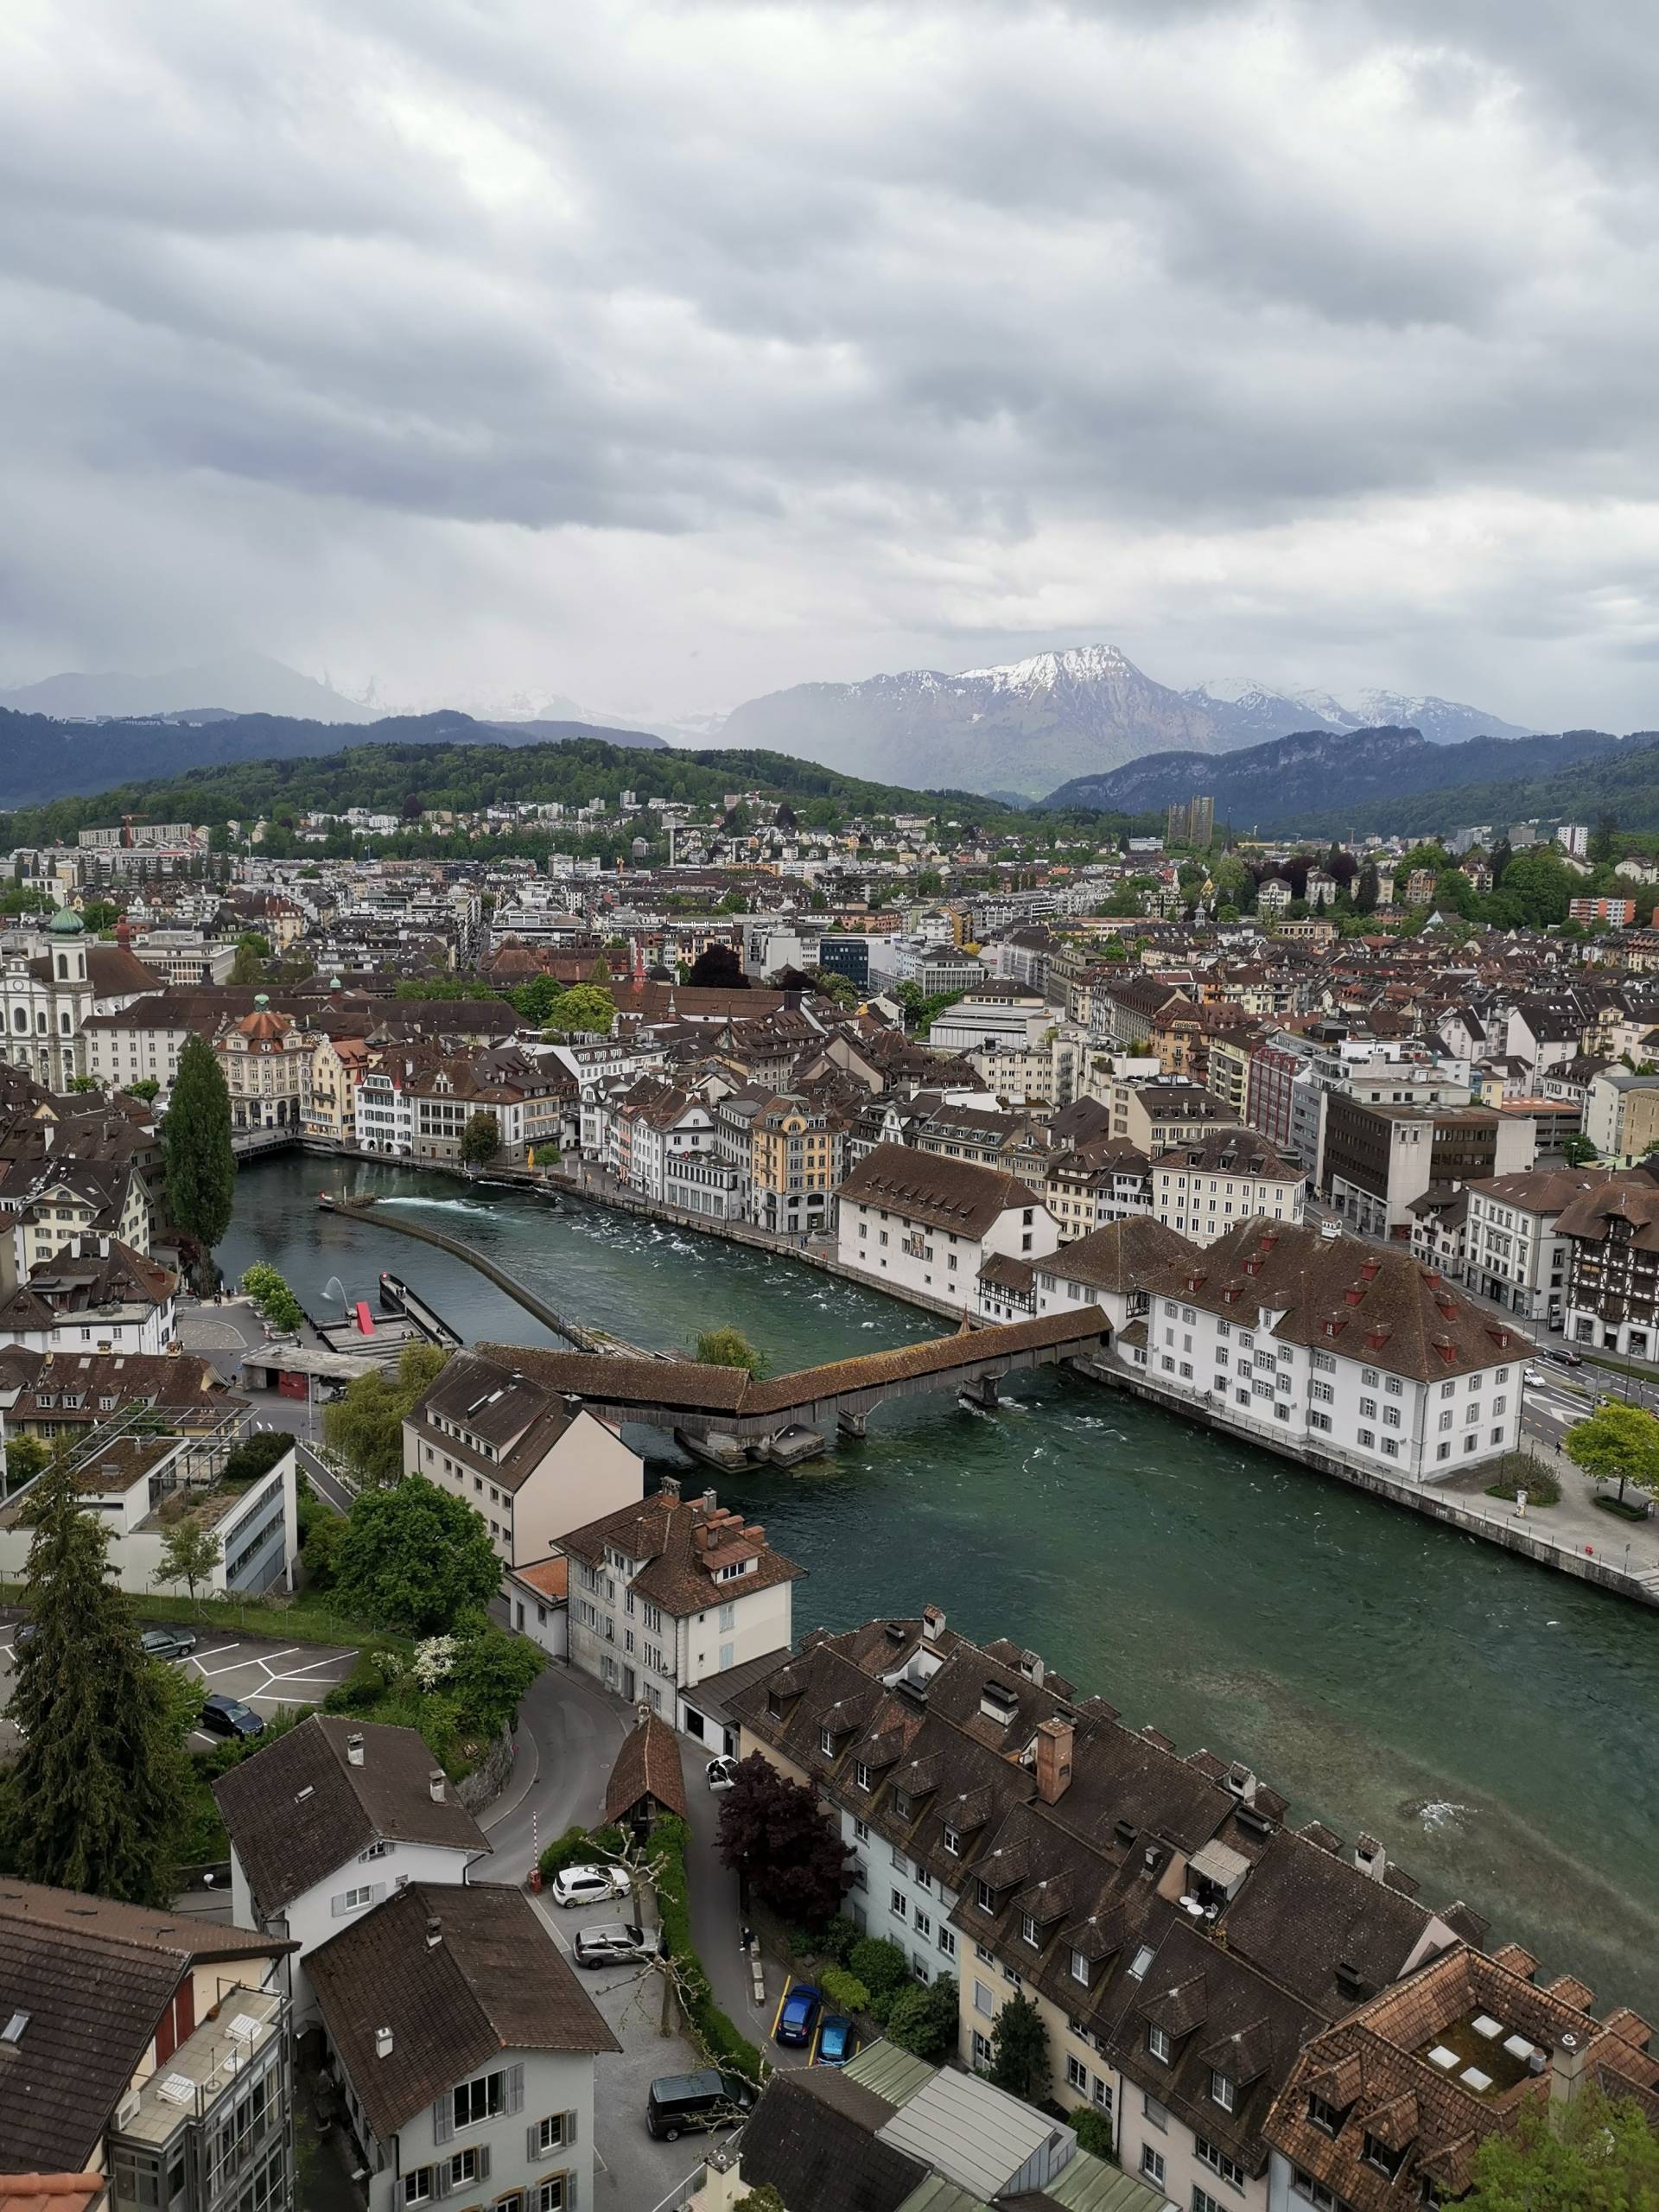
724,1415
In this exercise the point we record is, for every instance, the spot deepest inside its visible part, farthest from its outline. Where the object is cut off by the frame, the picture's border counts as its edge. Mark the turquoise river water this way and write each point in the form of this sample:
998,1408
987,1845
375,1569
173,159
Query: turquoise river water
1495,1723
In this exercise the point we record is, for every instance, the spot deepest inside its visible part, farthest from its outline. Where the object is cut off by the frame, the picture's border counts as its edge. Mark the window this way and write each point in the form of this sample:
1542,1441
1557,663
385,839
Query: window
1222,2089
1076,2075
862,1774
1152,2164
1321,2198
550,2194
861,1831
1378,2154
922,1924
468,2165
1158,2045
418,2186
1203,2202
1321,2114
982,2050
899,1905
1028,1931
1368,1409
983,2001
947,1943
485,2097
987,1898
355,1898
826,1743
1368,1438
1218,2162
1080,1969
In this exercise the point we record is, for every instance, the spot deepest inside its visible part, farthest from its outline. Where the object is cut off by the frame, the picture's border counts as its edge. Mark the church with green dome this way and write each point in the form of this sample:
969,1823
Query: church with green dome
54,977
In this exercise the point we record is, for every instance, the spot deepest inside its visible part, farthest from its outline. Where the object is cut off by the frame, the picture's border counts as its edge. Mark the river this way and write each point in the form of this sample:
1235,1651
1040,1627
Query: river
1495,1724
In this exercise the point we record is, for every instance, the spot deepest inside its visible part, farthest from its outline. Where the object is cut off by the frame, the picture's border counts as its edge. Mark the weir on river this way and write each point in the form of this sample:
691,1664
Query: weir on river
1493,1724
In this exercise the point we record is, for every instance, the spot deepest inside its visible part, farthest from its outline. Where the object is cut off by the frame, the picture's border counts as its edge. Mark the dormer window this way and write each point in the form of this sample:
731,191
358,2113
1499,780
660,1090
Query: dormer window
1158,2045
862,1774
1222,2092
952,1842
901,1804
987,1898
1321,2114
1080,1969
1377,2153
1028,1931
826,1743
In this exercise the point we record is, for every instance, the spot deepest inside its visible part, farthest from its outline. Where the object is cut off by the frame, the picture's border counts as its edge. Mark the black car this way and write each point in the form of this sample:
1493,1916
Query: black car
685,2104
228,1716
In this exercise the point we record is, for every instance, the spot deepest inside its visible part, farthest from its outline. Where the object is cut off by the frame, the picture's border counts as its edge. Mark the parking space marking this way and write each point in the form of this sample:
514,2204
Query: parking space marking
789,1984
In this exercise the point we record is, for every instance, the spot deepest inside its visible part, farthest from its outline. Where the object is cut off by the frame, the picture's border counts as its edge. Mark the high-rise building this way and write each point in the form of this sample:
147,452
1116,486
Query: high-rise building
1191,823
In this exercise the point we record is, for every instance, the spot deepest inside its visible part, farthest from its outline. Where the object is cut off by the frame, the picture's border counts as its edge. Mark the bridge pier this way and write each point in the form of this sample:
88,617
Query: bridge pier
853,1426
980,1394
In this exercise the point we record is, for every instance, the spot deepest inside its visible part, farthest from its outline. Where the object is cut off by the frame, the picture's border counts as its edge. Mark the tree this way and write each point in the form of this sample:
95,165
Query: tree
1617,1443
490,1671
146,1088
1020,2050
1593,2157
586,1007
99,1792
924,2020
367,1426
196,1152
25,1456
252,951
717,968
729,1347
480,1139
1365,889
764,2199
415,1558
189,1555
99,915
270,1293
1577,1151
1602,841
791,1855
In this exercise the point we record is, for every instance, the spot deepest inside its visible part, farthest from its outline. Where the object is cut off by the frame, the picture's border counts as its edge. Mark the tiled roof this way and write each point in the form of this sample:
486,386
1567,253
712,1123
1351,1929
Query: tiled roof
682,1541
1120,1257
493,1981
300,1810
648,1766
928,1187
51,2192
813,2137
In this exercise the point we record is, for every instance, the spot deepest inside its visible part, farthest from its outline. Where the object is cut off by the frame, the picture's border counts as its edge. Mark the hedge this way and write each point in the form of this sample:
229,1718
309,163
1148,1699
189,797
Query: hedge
577,1845
843,1990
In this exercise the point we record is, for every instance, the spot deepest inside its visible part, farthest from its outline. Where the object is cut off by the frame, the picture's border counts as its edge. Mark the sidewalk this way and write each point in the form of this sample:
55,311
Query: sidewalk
1577,1523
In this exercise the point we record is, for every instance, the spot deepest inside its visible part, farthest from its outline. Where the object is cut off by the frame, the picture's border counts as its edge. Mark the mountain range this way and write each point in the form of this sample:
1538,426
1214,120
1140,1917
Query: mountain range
1033,723
1391,779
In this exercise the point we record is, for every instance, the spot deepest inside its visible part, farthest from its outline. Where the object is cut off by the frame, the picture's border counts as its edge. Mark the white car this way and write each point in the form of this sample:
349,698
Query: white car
722,1772
1536,1379
589,1885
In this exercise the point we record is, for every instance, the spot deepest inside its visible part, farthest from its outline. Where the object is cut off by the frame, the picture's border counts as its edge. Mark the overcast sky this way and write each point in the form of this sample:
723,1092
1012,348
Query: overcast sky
664,354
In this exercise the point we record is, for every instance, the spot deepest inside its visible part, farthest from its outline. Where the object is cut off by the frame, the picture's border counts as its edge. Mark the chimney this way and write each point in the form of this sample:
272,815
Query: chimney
709,1500
434,1785
933,1623
1370,1858
103,1248
382,2043
1054,1759
669,1487
354,1750
434,1933
1566,2064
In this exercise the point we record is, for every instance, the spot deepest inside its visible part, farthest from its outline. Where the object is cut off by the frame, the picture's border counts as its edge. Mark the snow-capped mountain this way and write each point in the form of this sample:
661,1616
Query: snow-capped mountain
1027,725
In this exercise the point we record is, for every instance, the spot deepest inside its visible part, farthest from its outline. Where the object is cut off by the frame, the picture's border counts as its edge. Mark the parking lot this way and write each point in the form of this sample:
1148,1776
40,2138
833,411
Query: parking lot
259,1671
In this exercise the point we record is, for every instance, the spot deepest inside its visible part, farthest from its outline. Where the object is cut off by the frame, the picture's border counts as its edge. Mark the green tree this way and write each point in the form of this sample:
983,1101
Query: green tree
764,2199
1593,2157
196,1152
491,1671
1577,1151
584,1007
1604,841
1365,889
189,1555
252,951
1617,1443
25,1456
99,1792
791,1854
1020,2050
146,1088
924,2020
415,1558
367,1426
727,1346
480,1139
99,915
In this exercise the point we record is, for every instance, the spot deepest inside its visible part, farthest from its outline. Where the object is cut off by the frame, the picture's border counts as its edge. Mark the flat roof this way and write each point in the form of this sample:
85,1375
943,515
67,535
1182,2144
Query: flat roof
975,2134
204,2066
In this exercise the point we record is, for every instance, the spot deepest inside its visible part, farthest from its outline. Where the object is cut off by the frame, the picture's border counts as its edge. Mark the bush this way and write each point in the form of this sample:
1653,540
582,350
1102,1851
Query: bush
838,1940
880,1966
320,1547
580,1847
1518,1470
257,1455
1094,2133
923,2019
723,2043
844,1991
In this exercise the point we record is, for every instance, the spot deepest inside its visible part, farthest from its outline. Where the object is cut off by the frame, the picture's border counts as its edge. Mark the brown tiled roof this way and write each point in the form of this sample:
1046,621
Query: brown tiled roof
298,1809
814,2137
550,1577
134,1926
680,1541
647,1766
493,1982
51,2192
947,1194
1120,1257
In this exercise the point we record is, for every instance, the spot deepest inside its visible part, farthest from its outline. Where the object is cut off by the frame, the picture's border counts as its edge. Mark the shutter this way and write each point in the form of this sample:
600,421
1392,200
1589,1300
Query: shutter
533,2141
516,2087
443,2120
440,2179
481,2168
337,1904
569,2127
377,1892
567,2202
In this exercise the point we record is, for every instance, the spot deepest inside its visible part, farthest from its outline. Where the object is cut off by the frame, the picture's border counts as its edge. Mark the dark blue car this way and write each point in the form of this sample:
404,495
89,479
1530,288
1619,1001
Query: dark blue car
836,2042
799,2015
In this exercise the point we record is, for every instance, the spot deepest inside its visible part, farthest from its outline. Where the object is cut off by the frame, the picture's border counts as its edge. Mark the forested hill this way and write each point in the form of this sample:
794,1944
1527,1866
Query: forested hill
1393,779
464,776
43,759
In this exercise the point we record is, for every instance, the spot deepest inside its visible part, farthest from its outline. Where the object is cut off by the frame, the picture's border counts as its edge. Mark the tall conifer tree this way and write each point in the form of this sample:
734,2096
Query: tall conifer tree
196,1147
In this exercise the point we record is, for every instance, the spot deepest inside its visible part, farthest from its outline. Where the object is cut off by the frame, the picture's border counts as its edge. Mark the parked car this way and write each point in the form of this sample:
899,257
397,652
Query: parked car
589,1885
837,2041
722,1772
681,2104
25,1633
228,1716
798,2015
167,1642
620,1943
1564,1356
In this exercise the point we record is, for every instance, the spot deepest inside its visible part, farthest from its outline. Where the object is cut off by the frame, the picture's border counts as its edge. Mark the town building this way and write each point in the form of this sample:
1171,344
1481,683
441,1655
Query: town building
1611,1230
925,1223
795,1164
328,1820
669,1591
1621,1116
1202,1189
265,1059
461,2077
529,1463
1379,1159
53,982
1514,1250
